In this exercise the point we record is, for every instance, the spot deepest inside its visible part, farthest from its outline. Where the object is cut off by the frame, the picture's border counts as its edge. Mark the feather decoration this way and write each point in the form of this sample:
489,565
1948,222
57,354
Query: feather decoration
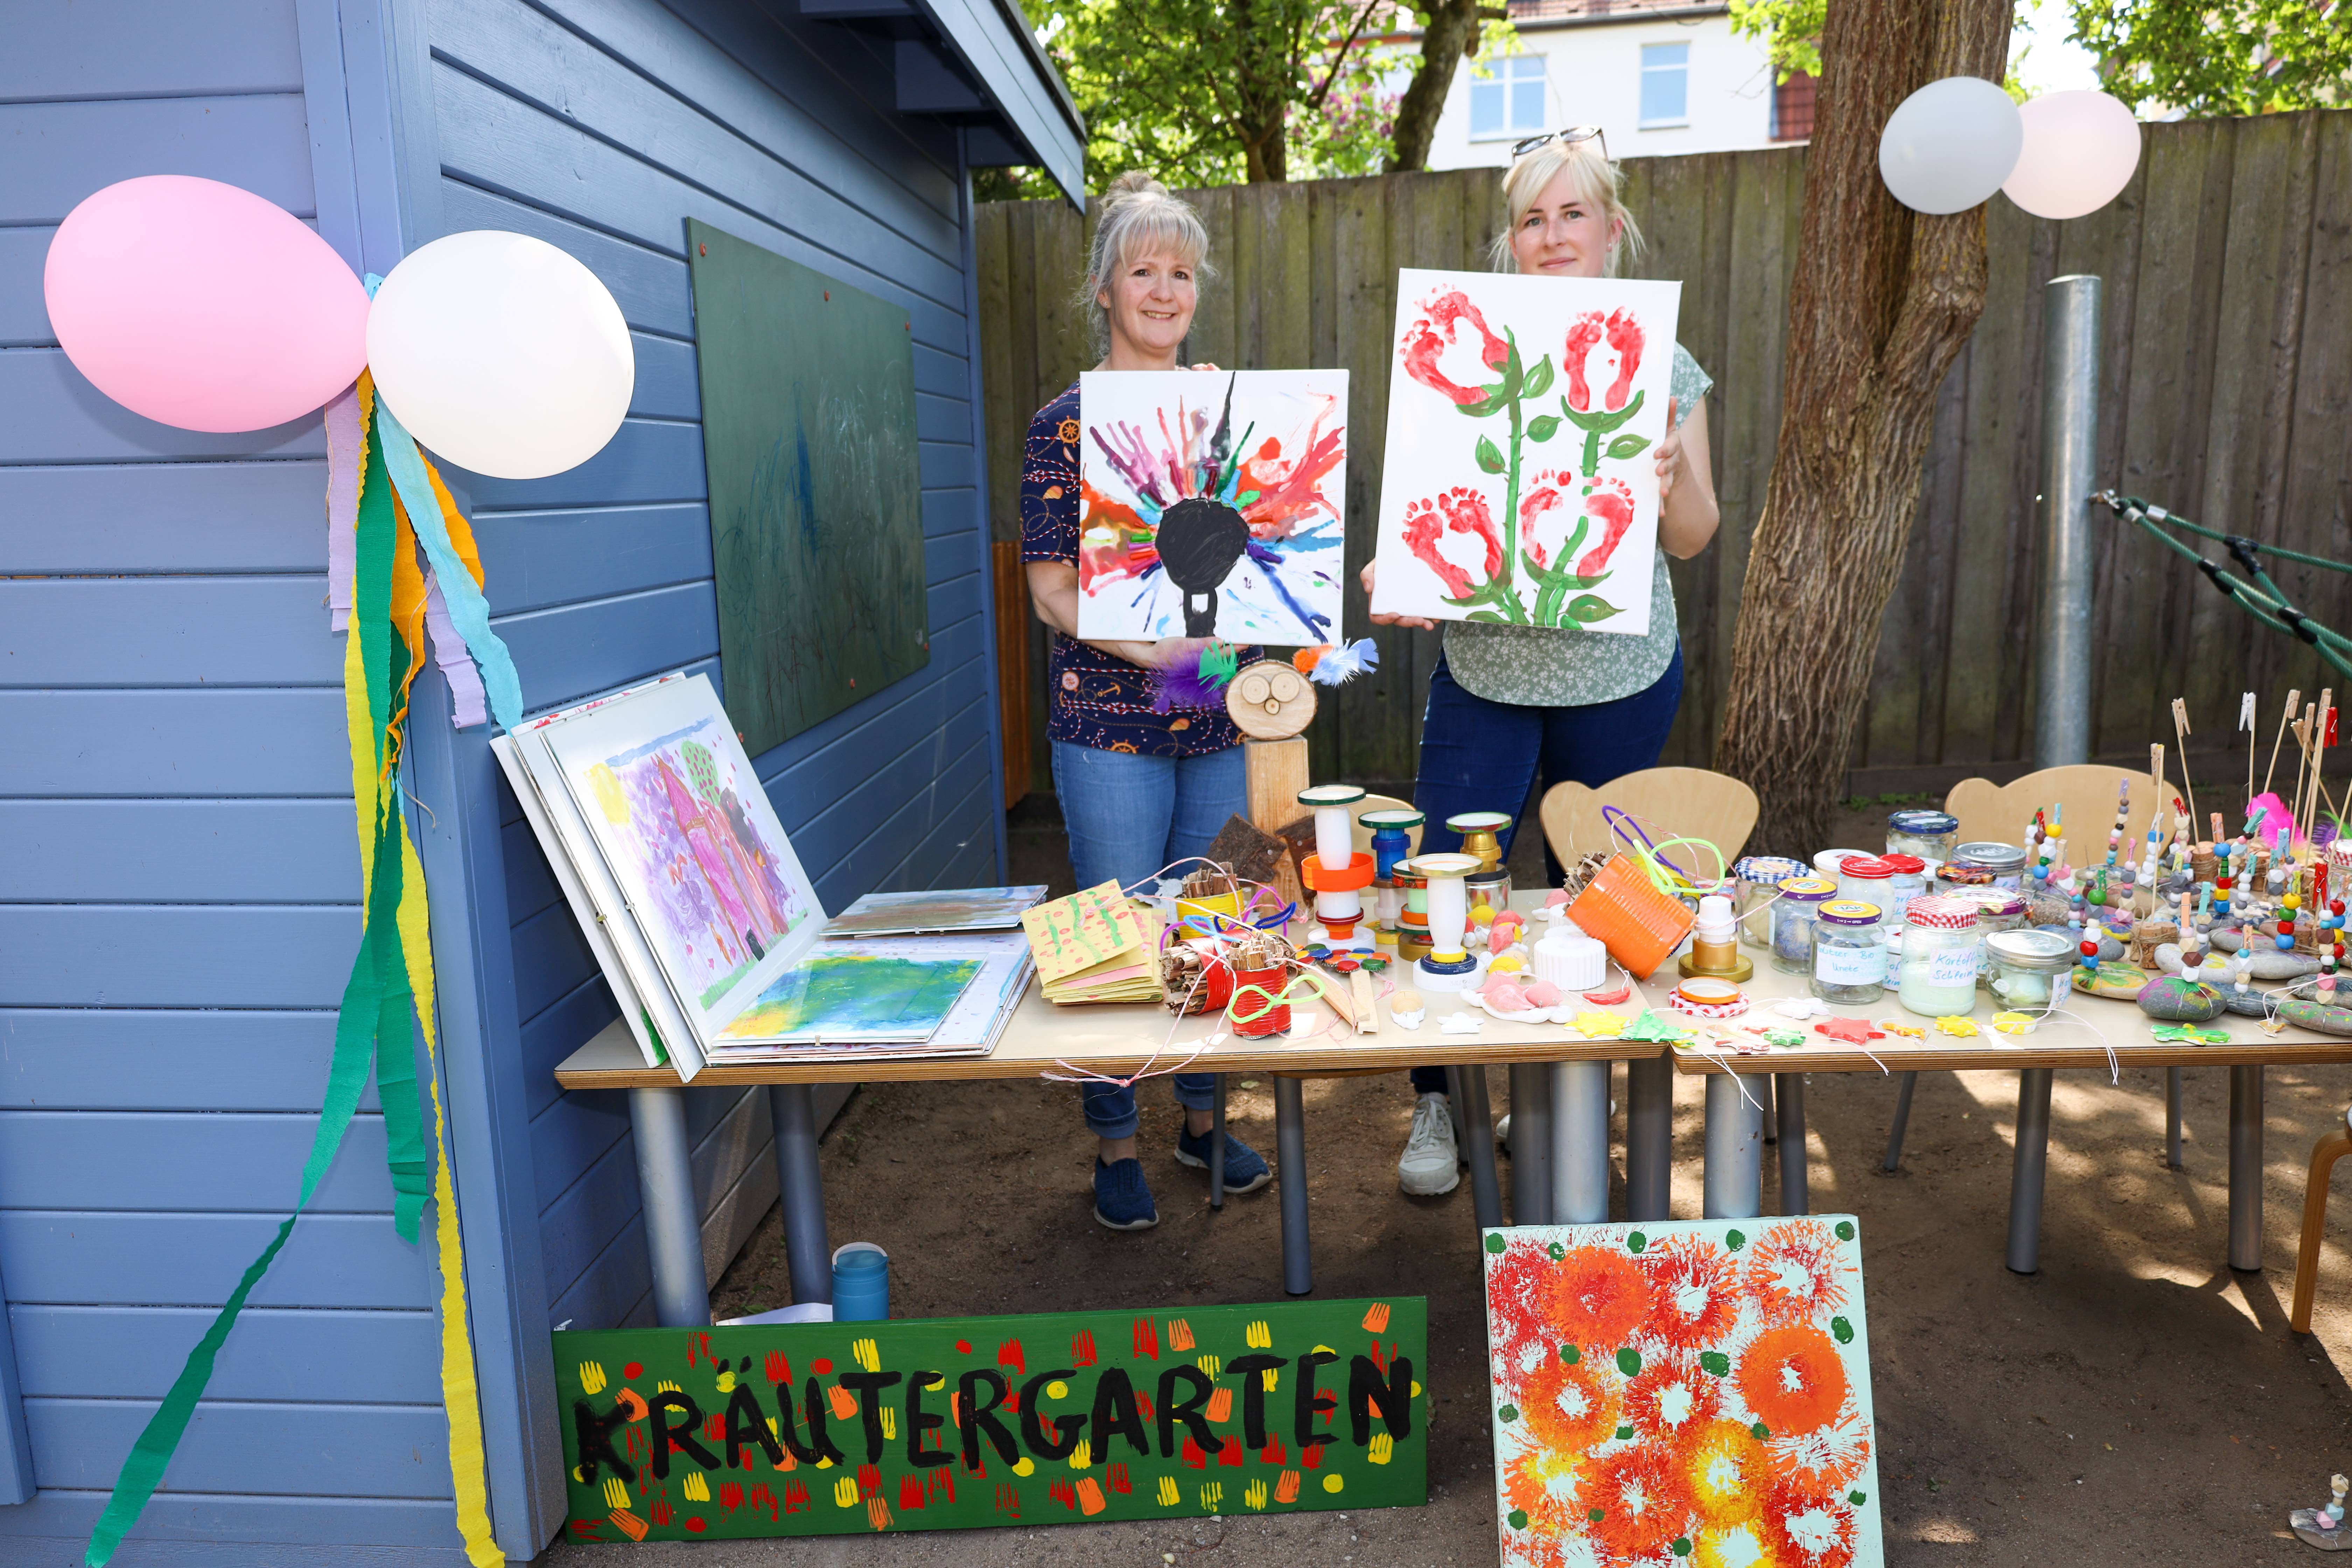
1345,662
1185,686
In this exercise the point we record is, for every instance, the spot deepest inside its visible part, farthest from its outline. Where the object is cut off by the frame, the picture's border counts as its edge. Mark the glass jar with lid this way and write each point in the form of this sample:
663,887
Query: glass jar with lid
1937,976
1793,913
1929,835
1864,877
1848,954
2030,969
1955,878
1756,882
1997,910
1908,879
2005,861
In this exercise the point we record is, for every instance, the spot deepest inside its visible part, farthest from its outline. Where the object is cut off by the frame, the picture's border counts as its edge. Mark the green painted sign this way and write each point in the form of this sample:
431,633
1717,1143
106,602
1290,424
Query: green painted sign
954,1423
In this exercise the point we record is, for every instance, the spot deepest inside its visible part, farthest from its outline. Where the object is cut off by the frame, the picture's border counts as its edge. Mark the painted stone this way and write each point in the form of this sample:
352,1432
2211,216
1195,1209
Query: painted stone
2178,1001
2308,1014
2119,981
2246,1003
2270,963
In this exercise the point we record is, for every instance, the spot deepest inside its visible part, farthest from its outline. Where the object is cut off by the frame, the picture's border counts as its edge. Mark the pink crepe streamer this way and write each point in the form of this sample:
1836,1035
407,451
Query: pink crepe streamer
468,700
346,451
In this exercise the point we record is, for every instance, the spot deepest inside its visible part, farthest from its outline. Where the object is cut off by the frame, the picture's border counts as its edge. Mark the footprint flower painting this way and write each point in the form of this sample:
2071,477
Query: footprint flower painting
1525,516
1212,505
1686,1391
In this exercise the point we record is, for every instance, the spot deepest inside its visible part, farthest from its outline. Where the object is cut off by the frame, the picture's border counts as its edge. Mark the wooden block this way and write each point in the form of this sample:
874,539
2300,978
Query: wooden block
1277,771
1359,998
1252,853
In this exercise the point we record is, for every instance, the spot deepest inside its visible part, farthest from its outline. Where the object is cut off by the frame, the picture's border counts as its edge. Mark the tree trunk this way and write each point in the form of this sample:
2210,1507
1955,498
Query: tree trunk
1452,33
1883,300
1261,89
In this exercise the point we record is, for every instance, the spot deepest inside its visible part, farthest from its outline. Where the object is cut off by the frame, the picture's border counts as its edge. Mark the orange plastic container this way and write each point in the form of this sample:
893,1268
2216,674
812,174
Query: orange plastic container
1638,924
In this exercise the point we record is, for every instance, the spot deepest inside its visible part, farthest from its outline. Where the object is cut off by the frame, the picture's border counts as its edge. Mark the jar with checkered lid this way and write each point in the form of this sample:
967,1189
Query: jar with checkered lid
1936,977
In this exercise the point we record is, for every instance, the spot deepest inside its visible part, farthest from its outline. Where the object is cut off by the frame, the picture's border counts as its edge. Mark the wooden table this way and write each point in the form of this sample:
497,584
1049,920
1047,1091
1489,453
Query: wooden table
1734,1119
1560,1168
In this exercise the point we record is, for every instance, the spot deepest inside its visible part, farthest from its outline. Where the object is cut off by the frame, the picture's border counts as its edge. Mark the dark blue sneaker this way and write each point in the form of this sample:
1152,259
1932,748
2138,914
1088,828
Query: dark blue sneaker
1245,1169
1122,1200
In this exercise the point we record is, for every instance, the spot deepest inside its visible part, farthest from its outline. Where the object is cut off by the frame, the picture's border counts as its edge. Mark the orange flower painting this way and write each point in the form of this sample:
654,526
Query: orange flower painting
1683,1392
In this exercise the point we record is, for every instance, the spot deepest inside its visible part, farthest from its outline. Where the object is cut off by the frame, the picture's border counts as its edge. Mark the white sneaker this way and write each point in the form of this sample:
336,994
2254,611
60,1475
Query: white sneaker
1502,1134
1430,1164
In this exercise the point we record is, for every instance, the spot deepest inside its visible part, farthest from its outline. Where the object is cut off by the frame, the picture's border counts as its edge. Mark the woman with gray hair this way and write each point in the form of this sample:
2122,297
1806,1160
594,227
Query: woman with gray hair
1140,788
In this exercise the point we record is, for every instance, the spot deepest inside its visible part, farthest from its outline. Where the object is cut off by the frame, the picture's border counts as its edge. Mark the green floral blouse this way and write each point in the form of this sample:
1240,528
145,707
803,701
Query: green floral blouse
1547,667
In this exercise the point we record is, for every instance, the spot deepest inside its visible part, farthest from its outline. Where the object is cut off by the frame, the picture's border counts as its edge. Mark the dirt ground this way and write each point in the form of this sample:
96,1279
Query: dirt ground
2136,1402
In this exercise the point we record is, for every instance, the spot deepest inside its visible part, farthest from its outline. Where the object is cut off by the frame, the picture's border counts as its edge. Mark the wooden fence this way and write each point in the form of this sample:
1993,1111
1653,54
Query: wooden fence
2226,396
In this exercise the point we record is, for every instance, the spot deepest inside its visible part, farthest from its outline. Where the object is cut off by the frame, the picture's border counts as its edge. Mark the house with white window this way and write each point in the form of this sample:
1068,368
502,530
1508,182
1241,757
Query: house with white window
1658,76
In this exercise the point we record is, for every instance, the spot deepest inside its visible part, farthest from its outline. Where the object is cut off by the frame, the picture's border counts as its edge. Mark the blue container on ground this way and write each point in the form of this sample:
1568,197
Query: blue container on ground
861,1283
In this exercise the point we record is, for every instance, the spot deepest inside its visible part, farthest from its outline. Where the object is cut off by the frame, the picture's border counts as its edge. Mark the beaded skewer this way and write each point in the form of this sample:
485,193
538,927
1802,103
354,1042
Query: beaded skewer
2293,696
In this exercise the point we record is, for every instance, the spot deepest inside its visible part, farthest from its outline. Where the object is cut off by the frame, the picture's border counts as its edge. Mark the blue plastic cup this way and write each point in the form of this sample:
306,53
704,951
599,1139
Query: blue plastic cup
861,1283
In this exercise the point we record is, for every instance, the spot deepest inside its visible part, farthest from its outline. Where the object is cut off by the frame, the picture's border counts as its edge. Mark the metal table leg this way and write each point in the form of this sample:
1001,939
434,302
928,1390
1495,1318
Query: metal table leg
673,1220
2246,1169
1217,1145
1789,1098
2172,1117
1475,1136
1531,1144
2031,1164
1290,1149
1649,1137
1762,1090
1580,1142
800,1189
1906,1083
1734,1148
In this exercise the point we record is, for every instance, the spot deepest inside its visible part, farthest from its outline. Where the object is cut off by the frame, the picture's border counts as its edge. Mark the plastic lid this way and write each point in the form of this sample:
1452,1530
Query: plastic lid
1996,902
1933,914
1988,852
1392,818
1768,869
1850,912
1904,865
1478,821
1960,876
1918,824
1330,794
2034,949
1808,890
1714,914
1437,866
1869,867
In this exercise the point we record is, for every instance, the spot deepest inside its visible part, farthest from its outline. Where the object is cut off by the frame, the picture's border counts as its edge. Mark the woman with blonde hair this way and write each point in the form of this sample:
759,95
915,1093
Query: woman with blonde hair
1512,706
1140,788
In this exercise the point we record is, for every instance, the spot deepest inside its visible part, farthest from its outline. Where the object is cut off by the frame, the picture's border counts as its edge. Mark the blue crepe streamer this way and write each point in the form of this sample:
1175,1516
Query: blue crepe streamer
468,611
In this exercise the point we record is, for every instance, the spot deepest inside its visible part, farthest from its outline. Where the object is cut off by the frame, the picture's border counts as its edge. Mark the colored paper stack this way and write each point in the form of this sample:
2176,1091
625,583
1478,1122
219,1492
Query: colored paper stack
1097,945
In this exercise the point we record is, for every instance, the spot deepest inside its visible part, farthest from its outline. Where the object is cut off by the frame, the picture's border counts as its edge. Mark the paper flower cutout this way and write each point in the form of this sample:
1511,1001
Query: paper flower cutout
1598,1026
2189,1035
1854,1031
1956,1025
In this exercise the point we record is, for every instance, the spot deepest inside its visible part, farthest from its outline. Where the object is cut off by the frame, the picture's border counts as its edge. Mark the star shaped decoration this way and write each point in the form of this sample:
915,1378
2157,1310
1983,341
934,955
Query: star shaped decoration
1786,1039
1598,1026
1853,1031
1965,1028
1650,1028
1898,1027
1459,1024
2013,1023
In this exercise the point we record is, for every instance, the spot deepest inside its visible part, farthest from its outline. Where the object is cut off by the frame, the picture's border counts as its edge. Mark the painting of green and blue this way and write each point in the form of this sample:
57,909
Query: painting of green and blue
849,996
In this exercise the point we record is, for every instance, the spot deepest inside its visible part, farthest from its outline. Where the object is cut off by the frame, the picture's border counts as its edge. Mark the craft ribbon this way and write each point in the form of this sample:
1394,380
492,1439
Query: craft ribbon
346,452
468,611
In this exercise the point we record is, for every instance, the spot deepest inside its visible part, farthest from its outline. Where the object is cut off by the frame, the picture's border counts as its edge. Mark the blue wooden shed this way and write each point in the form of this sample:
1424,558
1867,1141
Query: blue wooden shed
178,874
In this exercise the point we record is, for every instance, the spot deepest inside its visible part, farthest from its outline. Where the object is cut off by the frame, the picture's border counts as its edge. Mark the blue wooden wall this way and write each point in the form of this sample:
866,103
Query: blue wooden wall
178,882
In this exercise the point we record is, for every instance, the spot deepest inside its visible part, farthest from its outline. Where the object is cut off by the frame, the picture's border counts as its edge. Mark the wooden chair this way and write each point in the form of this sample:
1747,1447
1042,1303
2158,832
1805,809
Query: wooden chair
2331,1147
1672,803
2085,794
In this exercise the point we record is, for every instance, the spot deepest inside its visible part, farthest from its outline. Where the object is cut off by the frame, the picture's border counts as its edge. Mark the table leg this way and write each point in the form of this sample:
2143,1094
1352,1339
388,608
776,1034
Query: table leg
800,1190
2172,1117
673,1220
1580,1142
1789,1098
2028,1169
1906,1083
1217,1144
1531,1144
1290,1149
1735,1149
2246,1169
1649,1137
1762,1090
1467,1086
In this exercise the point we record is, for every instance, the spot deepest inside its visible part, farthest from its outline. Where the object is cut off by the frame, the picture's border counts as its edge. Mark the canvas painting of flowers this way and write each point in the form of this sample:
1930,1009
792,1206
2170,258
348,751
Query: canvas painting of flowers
1685,1392
1212,505
1521,480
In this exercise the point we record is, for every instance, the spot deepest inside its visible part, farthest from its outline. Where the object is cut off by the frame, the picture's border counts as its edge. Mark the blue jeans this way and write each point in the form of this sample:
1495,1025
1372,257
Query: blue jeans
1127,817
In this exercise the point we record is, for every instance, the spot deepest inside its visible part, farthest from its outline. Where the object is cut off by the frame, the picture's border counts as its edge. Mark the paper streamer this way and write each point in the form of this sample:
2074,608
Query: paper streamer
468,611
346,452
466,695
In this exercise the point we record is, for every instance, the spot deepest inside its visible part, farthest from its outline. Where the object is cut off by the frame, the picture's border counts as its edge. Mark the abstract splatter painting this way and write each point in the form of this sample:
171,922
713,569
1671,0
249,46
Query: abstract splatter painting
689,836
1214,505
1520,479
842,995
1683,1392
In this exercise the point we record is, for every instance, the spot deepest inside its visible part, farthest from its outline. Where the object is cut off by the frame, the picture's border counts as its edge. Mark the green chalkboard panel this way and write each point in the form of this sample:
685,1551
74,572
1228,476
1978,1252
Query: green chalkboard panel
954,1423
816,525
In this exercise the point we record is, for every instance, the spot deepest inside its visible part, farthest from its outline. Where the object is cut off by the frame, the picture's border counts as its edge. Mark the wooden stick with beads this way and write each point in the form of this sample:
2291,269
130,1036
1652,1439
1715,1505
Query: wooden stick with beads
2180,733
2293,696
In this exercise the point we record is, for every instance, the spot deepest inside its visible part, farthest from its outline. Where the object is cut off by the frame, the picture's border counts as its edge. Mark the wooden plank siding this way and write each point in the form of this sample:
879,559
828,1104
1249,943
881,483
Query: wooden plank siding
2227,396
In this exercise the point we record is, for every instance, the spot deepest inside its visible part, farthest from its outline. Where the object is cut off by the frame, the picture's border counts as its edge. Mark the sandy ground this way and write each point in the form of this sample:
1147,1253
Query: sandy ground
2136,1402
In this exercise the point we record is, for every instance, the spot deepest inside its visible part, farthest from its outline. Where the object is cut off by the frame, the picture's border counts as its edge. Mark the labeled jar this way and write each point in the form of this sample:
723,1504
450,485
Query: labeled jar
1906,881
1793,913
1755,885
1997,910
2005,861
2030,969
1930,834
1863,878
1849,964
1937,975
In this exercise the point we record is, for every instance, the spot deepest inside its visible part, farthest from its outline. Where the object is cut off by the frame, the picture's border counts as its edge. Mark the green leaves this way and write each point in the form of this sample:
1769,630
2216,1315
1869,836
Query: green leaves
1733,1240
1587,608
1542,426
1519,1518
1629,1361
1842,1330
1495,402
1627,446
1857,1499
1507,1414
1538,379
1569,1355
1715,1364
1763,1433
1845,1230
1490,457
1495,1243
1637,1242
1622,1434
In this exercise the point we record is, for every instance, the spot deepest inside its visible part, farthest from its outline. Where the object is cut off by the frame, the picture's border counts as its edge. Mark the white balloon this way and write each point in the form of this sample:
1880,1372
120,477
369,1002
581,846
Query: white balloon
1950,144
502,353
2080,150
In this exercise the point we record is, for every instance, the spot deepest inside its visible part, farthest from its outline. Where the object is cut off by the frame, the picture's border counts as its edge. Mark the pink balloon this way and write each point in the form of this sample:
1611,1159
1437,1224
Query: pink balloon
204,306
